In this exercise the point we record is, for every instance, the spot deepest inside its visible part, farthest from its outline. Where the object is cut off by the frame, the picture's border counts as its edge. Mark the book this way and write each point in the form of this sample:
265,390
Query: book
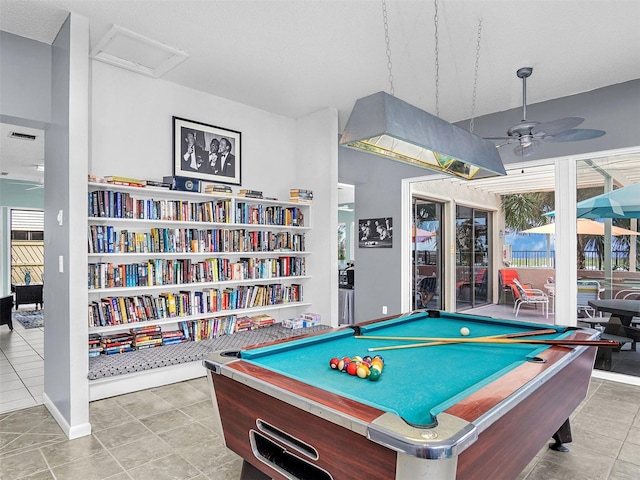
118,180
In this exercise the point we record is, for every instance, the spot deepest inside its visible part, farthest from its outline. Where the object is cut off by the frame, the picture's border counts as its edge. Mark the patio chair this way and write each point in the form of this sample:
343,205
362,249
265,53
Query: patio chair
530,296
427,290
505,279
588,290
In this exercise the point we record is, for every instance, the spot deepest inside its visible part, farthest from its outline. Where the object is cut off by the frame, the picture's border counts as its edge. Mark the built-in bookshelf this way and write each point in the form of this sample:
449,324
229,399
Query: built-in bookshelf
194,262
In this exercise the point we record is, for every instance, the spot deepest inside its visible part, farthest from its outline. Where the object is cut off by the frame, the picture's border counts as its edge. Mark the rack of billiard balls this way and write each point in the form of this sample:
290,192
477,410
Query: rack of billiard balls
363,367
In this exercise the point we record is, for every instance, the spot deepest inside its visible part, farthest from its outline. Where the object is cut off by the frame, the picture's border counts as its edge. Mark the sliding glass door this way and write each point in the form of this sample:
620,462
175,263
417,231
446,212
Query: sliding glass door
427,254
472,257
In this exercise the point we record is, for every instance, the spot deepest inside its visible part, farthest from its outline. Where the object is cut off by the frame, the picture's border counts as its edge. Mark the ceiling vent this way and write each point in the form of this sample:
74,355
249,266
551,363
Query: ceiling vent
132,51
22,136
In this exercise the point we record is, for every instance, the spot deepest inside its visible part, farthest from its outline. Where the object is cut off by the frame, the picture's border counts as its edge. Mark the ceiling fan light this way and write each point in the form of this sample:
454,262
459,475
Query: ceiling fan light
389,127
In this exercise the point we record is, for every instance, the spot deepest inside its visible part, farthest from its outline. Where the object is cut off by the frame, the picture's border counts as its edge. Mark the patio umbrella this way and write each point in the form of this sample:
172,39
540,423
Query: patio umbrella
621,203
421,235
584,227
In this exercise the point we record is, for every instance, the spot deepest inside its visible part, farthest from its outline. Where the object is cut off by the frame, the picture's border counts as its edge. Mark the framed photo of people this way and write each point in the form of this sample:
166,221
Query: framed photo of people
375,232
205,152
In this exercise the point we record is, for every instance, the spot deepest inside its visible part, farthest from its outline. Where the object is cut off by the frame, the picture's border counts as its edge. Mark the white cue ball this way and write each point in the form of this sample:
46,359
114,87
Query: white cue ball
464,331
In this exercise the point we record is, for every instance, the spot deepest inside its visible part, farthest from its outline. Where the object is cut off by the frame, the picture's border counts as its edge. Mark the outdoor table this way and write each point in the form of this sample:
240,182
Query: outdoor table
625,310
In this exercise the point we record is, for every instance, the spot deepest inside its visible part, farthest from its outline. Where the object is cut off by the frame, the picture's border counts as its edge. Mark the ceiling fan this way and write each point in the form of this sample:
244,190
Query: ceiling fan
528,134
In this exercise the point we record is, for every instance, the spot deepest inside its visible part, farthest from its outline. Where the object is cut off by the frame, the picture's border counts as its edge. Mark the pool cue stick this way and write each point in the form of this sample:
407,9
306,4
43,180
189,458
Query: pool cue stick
531,333
434,344
502,341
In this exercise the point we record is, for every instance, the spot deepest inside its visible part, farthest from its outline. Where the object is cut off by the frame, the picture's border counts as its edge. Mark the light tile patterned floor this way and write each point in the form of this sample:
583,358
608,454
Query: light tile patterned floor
169,433
21,367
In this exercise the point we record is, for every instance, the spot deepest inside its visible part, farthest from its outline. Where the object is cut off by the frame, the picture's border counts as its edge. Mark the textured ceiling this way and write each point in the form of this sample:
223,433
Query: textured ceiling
294,57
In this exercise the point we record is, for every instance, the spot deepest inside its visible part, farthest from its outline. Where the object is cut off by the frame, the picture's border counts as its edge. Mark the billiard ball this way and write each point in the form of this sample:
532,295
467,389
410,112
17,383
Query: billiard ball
333,363
464,331
363,370
357,358
374,374
352,368
343,364
376,366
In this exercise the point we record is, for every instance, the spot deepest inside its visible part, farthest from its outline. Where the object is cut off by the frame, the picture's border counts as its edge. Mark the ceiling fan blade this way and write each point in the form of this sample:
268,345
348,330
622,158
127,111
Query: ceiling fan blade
500,138
523,151
557,126
575,135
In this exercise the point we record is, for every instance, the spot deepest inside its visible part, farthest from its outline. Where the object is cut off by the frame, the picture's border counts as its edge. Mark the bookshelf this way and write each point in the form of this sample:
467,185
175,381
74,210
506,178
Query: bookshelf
181,260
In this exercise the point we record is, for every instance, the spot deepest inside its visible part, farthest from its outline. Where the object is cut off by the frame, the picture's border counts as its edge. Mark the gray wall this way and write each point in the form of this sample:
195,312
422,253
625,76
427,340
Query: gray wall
66,152
615,109
25,89
377,194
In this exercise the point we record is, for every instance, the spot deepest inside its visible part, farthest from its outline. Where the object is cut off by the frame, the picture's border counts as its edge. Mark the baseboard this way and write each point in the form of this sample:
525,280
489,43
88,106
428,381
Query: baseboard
616,377
71,432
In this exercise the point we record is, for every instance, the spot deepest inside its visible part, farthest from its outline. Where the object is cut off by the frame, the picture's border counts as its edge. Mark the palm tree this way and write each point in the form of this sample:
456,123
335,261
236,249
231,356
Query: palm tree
526,210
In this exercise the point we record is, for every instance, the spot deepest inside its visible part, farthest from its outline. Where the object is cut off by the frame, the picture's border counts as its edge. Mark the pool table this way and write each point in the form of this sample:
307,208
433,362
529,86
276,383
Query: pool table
455,411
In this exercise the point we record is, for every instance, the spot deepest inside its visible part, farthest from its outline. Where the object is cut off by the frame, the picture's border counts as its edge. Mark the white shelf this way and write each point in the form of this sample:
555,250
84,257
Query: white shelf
134,382
156,193
199,285
125,383
146,255
168,321
139,222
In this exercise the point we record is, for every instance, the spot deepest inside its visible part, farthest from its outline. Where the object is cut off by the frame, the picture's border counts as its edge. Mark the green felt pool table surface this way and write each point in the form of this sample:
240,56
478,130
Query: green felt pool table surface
417,383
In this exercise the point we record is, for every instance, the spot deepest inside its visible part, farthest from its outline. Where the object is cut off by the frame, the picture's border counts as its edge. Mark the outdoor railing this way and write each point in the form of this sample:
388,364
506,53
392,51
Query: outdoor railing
592,260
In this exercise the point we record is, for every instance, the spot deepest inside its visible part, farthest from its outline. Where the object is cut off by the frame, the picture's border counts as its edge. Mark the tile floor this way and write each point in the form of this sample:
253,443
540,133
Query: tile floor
21,367
169,433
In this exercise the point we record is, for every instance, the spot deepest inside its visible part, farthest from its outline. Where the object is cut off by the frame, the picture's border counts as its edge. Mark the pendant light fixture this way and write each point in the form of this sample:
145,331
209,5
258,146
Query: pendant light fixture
384,125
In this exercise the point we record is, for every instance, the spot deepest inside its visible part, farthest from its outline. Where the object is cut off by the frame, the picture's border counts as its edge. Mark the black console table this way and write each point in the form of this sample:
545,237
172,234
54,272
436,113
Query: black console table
28,294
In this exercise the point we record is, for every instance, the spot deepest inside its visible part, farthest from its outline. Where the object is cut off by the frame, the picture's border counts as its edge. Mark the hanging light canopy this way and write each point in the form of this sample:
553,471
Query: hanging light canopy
392,128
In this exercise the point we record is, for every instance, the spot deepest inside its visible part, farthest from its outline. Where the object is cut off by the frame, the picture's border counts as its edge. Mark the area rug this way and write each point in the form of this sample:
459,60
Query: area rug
29,318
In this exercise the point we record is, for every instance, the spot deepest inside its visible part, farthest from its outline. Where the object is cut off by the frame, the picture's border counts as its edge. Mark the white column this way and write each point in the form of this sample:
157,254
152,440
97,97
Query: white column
566,243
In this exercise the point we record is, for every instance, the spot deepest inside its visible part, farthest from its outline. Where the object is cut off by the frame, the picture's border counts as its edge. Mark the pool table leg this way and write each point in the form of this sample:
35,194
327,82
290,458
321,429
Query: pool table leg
249,472
563,435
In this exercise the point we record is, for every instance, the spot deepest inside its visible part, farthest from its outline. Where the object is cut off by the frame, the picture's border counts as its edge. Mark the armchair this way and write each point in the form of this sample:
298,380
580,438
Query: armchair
530,296
6,304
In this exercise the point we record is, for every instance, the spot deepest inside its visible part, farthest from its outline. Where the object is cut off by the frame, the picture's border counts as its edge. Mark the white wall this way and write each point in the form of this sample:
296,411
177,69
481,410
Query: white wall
131,135
131,130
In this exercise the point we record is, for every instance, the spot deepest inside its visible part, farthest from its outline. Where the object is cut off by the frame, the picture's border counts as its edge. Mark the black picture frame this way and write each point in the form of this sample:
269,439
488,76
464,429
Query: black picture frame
375,232
199,162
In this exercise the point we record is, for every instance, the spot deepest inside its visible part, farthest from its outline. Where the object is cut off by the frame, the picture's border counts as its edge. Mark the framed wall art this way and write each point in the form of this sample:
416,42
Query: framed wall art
375,232
206,152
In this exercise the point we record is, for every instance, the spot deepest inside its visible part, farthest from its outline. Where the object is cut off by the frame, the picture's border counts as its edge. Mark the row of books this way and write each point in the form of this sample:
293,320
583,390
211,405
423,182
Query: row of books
162,271
258,214
120,310
152,336
117,204
108,239
300,195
